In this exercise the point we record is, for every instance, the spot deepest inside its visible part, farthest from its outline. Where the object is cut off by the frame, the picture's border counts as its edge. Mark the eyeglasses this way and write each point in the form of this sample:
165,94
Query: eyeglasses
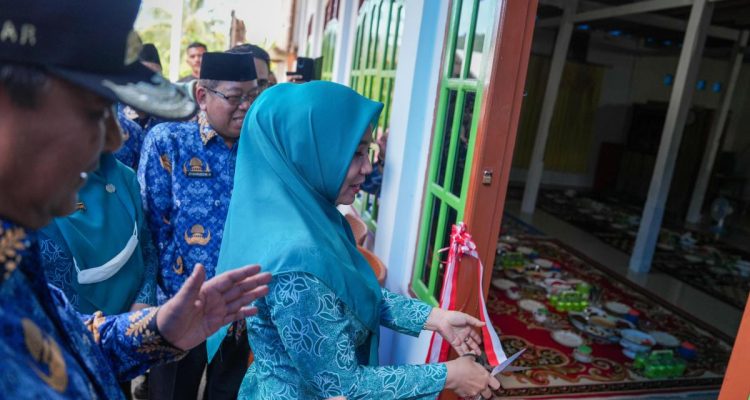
236,100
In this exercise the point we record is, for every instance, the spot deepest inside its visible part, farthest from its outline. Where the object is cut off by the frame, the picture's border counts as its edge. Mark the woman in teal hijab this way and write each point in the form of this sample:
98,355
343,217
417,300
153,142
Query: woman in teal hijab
303,150
102,256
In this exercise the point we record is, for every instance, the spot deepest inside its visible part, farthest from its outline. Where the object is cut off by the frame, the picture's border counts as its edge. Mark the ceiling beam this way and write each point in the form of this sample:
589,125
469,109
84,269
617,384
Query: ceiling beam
641,7
655,20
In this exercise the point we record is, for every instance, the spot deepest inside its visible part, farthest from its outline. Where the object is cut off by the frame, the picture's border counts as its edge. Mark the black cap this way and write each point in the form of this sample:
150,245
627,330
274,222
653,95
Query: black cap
227,67
149,54
253,50
92,44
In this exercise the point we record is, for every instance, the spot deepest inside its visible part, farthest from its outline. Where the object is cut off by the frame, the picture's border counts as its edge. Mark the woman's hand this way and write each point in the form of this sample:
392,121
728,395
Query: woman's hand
457,328
469,379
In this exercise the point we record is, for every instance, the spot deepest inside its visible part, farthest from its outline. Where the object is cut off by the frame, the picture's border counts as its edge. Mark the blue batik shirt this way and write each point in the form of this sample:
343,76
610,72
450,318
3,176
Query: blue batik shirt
50,351
186,175
145,123
132,140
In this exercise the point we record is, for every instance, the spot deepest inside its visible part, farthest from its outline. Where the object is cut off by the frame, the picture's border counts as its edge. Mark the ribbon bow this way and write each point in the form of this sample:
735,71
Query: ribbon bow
462,245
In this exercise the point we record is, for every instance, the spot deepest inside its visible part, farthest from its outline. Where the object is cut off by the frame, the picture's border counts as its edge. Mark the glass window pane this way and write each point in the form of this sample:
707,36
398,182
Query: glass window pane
462,147
482,33
372,36
450,110
462,35
431,233
398,12
385,14
450,220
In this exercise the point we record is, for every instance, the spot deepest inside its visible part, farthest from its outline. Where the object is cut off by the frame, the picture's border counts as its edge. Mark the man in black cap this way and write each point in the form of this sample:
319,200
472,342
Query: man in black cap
187,174
62,66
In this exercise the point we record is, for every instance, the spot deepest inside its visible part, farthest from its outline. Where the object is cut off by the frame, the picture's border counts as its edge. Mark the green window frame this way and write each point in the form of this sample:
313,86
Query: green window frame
329,50
373,73
452,150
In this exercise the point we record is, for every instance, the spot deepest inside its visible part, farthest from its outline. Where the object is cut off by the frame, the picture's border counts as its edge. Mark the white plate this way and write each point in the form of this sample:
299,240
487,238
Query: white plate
567,338
524,250
617,307
629,353
530,305
692,259
665,339
503,284
543,262
637,337
509,239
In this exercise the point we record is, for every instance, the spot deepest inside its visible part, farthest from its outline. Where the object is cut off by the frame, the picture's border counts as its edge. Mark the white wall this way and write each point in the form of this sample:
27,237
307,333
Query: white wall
347,30
414,100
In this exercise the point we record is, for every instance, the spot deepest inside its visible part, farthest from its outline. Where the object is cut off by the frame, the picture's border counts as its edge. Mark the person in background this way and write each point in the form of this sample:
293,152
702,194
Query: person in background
262,62
374,181
63,65
272,79
102,256
194,59
186,175
134,123
304,150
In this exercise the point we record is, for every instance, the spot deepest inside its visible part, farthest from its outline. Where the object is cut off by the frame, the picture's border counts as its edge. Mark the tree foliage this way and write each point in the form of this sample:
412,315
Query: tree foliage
195,28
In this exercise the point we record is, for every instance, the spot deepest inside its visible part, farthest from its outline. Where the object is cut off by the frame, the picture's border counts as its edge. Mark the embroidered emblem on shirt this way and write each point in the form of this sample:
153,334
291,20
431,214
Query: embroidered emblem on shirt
180,268
93,324
207,133
80,206
165,163
11,244
197,236
195,168
47,355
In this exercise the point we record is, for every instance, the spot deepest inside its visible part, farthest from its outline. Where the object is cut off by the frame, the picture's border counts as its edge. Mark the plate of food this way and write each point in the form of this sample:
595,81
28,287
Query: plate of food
638,337
665,339
617,307
508,239
530,305
524,250
503,284
544,263
567,338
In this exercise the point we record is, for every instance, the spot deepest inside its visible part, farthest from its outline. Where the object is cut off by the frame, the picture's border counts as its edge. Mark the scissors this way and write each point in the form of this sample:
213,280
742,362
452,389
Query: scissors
502,367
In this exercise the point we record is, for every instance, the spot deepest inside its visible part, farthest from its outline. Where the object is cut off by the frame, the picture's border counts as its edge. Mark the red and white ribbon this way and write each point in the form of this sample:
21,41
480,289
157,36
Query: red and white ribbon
461,245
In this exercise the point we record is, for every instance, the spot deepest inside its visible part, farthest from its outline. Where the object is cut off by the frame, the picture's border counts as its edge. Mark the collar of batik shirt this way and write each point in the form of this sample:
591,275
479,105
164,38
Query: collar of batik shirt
14,242
206,131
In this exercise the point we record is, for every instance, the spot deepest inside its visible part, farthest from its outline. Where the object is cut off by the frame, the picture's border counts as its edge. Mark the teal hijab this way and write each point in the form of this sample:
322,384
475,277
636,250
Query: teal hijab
295,148
109,208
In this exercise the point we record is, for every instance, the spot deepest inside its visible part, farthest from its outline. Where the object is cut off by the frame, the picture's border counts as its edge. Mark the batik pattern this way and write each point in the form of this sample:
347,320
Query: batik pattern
47,352
307,344
186,176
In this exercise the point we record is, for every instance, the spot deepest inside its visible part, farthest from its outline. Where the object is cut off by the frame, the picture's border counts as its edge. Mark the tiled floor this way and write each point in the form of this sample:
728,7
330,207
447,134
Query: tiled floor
716,313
